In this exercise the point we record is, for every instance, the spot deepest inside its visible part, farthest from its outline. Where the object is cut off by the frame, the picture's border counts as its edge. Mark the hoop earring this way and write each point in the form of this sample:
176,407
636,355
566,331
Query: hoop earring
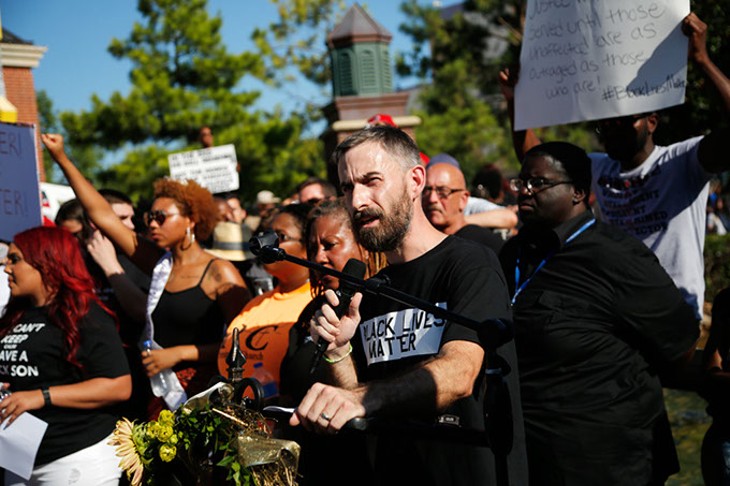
190,235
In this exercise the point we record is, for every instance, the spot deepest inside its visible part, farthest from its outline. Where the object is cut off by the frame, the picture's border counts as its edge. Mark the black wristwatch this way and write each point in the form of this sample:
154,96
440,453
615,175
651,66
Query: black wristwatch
46,396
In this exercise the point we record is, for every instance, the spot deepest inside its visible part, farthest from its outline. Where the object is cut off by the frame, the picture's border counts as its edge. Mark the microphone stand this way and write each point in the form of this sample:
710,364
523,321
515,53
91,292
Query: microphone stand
493,333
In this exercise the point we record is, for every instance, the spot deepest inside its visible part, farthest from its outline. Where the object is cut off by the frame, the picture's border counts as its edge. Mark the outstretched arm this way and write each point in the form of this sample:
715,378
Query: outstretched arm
522,140
89,394
98,209
712,145
502,218
431,386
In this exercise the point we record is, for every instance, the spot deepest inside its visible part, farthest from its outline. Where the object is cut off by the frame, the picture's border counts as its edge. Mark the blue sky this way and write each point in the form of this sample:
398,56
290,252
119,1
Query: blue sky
77,33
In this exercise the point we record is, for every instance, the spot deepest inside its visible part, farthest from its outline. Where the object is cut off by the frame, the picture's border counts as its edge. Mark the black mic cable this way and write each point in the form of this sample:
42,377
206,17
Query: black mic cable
353,268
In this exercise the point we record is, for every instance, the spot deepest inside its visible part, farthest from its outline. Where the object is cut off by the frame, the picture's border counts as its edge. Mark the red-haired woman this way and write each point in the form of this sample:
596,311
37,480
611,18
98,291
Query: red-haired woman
61,358
193,294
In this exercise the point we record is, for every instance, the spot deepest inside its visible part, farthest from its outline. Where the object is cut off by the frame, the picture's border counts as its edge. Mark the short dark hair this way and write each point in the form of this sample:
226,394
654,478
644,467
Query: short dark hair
573,160
394,140
488,181
72,210
113,196
298,211
328,188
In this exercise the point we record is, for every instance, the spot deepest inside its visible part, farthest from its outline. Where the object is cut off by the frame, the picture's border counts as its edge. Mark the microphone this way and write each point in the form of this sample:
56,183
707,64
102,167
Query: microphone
265,245
353,268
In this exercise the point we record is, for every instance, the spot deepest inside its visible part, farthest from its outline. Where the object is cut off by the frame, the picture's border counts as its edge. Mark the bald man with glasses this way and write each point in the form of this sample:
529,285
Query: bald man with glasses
444,201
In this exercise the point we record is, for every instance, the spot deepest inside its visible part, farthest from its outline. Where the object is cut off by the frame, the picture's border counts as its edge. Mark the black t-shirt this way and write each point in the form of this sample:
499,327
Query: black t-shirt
593,327
129,329
481,235
465,278
32,355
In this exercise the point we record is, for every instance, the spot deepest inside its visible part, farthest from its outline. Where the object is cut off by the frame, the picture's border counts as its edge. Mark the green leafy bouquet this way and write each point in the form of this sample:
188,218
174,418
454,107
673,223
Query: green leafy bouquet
210,438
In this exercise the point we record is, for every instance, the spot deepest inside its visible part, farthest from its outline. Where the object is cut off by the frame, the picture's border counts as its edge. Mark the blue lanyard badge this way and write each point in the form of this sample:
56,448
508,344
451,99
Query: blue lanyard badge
521,287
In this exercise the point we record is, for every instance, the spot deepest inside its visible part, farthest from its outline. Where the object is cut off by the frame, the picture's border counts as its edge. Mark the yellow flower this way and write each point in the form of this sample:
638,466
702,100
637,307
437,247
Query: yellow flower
164,432
166,417
167,452
123,441
152,429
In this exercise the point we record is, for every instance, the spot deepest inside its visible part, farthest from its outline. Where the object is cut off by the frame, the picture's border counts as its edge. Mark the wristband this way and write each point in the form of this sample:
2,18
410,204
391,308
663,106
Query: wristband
46,397
337,360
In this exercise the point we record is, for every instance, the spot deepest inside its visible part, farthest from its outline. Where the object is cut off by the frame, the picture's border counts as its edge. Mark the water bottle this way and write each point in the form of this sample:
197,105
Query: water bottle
266,379
159,383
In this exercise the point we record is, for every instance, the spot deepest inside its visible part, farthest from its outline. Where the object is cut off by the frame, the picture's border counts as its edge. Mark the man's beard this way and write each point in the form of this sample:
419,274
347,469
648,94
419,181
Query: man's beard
391,229
625,146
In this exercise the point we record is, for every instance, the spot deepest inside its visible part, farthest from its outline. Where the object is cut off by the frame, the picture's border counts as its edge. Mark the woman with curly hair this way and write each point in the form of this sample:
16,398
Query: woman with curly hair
193,294
61,358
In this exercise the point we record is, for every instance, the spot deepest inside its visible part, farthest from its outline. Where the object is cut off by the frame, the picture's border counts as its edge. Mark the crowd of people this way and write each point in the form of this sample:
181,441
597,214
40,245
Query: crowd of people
531,353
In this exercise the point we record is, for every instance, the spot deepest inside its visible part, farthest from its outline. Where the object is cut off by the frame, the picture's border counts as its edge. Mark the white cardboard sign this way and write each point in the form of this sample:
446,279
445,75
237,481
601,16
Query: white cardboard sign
213,168
594,59
20,201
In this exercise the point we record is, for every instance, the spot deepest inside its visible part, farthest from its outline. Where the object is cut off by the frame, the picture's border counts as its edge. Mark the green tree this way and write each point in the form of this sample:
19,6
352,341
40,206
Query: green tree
701,110
183,77
457,47
461,112
86,156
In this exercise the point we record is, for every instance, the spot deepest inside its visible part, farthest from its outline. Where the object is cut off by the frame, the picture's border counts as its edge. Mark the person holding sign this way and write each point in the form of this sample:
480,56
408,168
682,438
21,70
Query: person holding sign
193,295
657,194
61,359
596,317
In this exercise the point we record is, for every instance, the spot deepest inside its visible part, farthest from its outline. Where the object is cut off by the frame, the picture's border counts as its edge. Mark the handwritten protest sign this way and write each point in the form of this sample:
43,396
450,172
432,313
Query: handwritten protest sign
213,168
593,59
20,202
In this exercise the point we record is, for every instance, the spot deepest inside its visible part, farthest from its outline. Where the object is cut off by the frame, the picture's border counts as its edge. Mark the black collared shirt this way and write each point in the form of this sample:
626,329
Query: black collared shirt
592,327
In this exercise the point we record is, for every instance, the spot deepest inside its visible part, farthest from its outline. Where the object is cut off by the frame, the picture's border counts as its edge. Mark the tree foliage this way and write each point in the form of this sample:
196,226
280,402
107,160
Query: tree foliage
462,76
461,113
182,78
86,156
701,110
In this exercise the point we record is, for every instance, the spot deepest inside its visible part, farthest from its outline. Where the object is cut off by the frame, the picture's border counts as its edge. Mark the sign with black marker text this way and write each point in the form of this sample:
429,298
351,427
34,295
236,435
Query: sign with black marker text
20,201
593,59
213,168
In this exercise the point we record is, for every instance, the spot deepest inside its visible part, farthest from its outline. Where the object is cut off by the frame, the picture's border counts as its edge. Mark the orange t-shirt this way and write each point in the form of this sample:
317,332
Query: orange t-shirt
264,325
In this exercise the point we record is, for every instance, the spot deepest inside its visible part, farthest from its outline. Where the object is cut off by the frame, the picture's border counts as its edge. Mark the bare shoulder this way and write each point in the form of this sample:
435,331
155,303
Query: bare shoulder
223,272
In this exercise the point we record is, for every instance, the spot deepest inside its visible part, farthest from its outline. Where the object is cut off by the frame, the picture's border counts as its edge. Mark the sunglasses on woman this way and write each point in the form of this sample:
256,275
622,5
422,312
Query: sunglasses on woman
159,216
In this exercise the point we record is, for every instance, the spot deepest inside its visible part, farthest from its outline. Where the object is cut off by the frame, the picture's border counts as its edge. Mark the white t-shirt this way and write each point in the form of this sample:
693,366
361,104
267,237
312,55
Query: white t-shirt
476,205
662,202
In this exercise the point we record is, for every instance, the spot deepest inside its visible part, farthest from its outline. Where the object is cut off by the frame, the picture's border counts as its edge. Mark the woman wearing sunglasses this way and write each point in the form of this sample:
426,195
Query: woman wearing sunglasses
61,359
193,295
265,321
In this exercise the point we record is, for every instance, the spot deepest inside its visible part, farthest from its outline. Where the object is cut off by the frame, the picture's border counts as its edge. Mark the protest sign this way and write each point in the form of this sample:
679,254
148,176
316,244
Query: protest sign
20,202
594,59
213,168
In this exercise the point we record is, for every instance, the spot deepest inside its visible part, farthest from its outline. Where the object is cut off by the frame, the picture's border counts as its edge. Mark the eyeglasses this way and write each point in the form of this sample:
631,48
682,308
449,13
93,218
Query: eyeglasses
534,184
441,192
158,216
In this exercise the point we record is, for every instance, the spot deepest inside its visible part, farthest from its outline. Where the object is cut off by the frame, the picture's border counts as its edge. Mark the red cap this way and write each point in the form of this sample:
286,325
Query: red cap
381,119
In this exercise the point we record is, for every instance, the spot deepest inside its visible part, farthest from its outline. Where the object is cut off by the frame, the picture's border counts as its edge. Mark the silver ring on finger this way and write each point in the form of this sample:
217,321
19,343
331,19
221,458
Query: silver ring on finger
325,416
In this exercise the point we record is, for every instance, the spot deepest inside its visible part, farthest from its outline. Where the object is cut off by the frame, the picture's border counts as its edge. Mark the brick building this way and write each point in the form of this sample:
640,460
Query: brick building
18,58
